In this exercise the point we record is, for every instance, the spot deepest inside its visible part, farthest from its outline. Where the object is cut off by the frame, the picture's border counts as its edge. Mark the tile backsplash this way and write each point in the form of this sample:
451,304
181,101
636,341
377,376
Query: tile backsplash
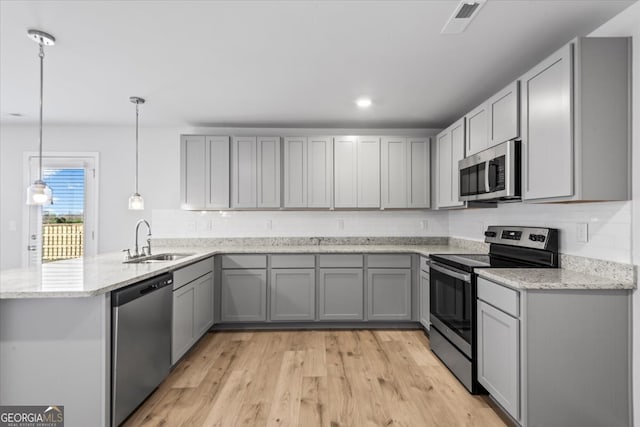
605,226
175,223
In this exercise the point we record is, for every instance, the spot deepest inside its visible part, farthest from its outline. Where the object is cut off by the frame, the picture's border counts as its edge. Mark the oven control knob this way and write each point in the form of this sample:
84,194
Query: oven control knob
490,233
541,237
533,237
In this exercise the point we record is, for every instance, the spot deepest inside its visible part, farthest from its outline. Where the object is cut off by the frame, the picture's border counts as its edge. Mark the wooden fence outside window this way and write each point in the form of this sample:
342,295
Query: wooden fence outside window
62,241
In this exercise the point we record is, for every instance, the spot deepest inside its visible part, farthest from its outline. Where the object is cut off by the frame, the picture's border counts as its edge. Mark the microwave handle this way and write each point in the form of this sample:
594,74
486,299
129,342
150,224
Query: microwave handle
487,166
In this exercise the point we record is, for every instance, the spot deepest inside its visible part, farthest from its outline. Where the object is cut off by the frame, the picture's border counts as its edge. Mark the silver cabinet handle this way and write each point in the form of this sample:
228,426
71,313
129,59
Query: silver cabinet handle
452,273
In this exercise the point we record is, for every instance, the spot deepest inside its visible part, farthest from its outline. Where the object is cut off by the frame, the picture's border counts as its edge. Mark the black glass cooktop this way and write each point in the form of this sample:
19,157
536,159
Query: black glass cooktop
469,262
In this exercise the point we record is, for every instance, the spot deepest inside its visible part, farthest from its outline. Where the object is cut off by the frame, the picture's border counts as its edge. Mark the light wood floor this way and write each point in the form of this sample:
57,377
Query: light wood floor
313,378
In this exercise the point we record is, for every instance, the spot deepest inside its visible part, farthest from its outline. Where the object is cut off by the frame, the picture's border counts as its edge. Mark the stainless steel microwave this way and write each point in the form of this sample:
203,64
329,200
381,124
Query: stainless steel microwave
492,174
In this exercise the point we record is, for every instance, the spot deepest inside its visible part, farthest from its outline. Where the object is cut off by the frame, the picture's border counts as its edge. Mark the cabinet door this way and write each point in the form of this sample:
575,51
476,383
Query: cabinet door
444,168
193,171
504,117
244,295
419,173
341,294
368,193
203,305
389,294
345,172
499,356
243,172
424,300
547,140
394,170
319,178
295,172
268,162
477,132
217,163
182,323
457,154
293,294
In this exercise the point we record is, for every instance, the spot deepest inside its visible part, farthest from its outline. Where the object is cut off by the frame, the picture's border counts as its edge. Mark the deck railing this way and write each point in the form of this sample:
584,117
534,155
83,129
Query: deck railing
62,241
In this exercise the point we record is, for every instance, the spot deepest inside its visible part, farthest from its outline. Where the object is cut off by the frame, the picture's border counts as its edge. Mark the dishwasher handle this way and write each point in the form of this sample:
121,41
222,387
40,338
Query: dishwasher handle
140,289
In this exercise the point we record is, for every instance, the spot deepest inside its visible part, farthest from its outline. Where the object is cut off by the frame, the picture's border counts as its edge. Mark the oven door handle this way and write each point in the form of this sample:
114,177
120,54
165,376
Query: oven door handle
452,273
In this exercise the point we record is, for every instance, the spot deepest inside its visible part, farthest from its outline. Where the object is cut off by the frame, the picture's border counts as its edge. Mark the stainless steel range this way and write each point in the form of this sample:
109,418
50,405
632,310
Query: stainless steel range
453,291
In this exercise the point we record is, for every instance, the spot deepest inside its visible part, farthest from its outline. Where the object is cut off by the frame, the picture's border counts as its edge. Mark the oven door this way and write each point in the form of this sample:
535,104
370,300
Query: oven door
451,305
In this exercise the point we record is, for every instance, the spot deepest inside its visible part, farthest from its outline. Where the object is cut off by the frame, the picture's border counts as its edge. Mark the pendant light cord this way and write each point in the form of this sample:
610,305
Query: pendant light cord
41,55
137,147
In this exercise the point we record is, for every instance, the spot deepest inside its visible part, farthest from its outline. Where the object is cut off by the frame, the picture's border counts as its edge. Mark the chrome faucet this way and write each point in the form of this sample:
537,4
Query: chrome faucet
148,247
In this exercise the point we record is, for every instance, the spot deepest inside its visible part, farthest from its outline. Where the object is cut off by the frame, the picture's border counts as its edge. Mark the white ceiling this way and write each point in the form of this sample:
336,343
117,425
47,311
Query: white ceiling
274,63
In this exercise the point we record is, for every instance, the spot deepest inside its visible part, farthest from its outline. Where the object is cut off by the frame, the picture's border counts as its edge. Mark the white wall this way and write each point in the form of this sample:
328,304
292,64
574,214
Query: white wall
176,223
159,178
627,23
609,225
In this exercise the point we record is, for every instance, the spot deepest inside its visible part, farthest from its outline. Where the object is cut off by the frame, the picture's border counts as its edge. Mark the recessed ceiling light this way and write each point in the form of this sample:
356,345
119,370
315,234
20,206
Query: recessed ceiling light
363,102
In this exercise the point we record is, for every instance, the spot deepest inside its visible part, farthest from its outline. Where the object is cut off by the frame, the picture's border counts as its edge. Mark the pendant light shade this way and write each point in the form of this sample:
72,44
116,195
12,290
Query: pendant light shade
136,202
39,193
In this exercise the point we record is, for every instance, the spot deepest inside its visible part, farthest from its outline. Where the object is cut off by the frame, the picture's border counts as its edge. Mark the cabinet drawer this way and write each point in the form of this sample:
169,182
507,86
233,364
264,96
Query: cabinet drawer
389,261
503,298
424,263
244,261
293,261
191,272
341,261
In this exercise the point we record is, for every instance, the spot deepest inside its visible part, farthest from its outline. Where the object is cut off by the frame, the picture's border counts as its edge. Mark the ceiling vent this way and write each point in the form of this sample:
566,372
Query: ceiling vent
465,11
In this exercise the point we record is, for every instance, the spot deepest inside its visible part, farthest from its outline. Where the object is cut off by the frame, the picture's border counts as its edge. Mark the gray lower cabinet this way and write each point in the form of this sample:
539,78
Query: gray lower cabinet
341,294
499,356
424,300
244,295
293,294
192,314
389,293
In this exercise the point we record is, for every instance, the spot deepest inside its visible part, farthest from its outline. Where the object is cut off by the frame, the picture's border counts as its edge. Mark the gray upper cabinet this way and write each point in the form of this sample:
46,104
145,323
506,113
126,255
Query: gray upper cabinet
308,172
477,137
293,294
575,120
394,169
419,173
389,294
345,172
504,114
268,173
244,172
204,172
244,295
368,165
255,172
405,172
449,151
295,172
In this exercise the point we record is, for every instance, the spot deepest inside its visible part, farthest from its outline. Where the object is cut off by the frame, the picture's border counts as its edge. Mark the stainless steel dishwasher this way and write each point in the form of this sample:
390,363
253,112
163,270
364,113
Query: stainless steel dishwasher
141,343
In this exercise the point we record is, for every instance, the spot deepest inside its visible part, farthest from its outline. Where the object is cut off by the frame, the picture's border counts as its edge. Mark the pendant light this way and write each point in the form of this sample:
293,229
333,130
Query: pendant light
136,202
39,192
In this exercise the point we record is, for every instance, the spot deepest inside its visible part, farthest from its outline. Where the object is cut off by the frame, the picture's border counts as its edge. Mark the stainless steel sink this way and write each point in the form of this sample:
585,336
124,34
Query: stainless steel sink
157,258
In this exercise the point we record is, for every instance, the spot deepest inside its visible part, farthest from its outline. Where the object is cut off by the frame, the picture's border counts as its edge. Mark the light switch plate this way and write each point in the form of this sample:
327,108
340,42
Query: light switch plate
268,224
341,224
582,232
424,224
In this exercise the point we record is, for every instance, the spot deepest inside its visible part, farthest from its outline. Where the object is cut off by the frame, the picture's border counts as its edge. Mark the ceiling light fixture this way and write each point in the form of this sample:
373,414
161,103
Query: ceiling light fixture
363,103
136,202
39,193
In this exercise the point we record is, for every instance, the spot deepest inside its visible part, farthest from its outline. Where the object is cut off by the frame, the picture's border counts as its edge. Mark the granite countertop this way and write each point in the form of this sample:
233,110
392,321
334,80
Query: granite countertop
551,278
96,275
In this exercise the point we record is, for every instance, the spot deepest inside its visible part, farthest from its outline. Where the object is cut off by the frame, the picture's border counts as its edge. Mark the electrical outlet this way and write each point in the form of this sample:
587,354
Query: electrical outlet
424,224
192,226
341,224
13,225
582,232
268,224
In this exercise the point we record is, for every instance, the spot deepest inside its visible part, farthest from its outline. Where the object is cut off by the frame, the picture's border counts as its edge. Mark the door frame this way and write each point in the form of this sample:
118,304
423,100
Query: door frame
91,196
